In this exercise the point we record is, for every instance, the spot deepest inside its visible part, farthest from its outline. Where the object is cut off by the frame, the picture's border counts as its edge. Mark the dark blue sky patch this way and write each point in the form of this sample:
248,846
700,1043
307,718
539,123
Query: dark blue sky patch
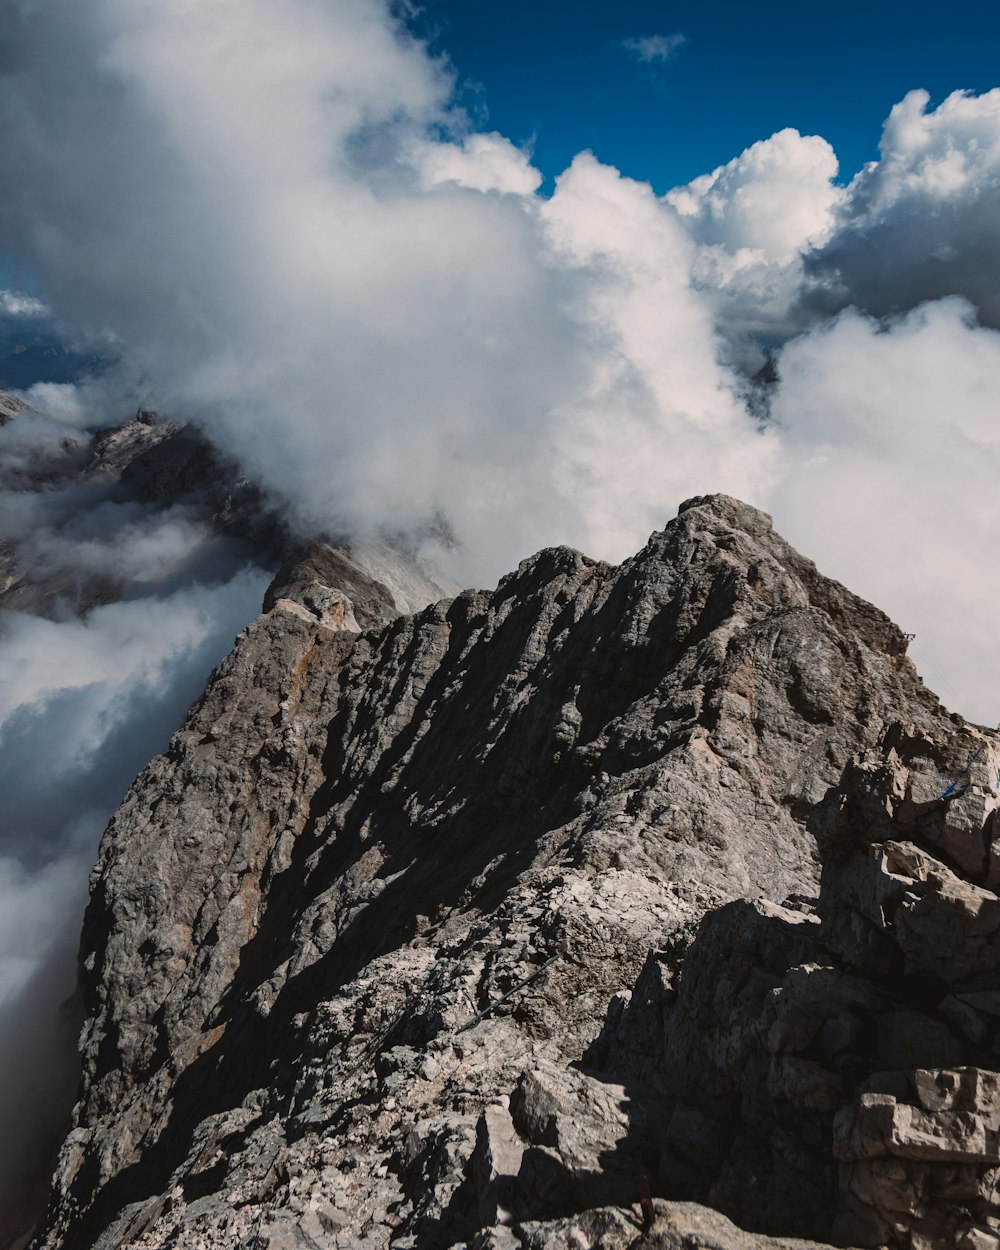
563,77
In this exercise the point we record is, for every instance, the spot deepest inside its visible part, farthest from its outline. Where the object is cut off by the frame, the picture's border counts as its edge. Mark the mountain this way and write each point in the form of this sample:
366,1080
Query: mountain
154,463
598,910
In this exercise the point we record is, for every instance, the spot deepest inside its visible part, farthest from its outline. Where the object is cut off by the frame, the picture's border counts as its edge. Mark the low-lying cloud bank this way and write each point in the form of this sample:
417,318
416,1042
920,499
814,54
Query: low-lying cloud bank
83,705
275,215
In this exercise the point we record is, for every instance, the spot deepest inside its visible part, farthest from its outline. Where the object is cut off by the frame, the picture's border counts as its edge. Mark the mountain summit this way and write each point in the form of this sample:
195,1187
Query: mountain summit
599,910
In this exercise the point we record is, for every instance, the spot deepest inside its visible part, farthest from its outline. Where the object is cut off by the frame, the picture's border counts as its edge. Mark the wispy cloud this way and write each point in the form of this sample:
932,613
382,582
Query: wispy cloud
651,48
15,304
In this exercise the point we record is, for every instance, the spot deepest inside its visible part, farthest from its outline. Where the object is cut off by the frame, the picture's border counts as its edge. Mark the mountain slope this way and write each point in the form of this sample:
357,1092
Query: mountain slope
348,936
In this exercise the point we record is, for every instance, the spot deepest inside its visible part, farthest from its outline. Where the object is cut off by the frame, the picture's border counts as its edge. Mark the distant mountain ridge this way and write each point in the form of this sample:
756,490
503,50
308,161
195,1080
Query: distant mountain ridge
154,461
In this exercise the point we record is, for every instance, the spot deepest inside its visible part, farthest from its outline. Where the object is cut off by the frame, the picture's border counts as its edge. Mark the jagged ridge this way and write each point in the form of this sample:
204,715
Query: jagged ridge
305,914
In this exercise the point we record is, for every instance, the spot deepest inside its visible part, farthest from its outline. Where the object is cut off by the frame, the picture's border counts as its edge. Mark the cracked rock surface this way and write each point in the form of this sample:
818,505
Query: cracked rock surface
396,945
833,1072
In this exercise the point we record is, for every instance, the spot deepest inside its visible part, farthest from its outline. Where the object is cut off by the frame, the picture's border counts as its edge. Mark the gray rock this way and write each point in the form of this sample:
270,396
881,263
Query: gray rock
10,407
834,1075
670,1226
393,870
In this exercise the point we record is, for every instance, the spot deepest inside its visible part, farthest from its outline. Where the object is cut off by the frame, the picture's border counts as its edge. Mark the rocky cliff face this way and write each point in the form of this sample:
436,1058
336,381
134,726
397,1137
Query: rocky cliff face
833,1071
397,943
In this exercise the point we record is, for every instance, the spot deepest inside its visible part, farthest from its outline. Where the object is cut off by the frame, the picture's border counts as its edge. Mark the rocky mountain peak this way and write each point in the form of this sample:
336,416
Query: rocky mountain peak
432,929
10,406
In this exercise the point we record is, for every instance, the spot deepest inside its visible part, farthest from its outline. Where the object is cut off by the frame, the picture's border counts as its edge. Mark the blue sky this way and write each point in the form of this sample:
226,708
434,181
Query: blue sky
557,76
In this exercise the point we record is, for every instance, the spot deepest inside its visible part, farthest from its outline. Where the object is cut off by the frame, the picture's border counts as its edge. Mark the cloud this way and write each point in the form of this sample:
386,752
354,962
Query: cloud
782,247
650,49
891,450
70,688
481,162
16,304
384,325
753,220
923,222
111,544
83,705
294,258
654,415
776,199
343,330
79,405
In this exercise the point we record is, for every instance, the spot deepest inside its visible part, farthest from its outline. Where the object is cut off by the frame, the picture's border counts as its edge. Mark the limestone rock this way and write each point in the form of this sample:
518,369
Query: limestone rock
834,1074
670,1226
393,945
10,406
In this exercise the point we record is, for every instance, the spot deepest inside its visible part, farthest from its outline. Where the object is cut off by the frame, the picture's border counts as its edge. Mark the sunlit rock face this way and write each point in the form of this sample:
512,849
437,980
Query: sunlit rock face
399,942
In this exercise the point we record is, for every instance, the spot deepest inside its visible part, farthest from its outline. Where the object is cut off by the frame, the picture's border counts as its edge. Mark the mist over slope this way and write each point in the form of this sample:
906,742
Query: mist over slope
113,613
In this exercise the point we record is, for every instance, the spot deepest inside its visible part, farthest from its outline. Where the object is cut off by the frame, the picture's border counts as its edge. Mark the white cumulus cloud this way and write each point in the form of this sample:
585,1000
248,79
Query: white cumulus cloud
753,220
481,162
923,222
891,451
776,199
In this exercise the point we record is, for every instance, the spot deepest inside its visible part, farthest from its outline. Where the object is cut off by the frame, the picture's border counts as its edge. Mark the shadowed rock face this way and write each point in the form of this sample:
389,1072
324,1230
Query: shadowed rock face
835,1073
351,937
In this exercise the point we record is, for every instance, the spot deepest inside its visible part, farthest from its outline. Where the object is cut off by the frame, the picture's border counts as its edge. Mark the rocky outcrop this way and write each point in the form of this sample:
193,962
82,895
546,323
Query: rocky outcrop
10,406
834,1073
352,939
